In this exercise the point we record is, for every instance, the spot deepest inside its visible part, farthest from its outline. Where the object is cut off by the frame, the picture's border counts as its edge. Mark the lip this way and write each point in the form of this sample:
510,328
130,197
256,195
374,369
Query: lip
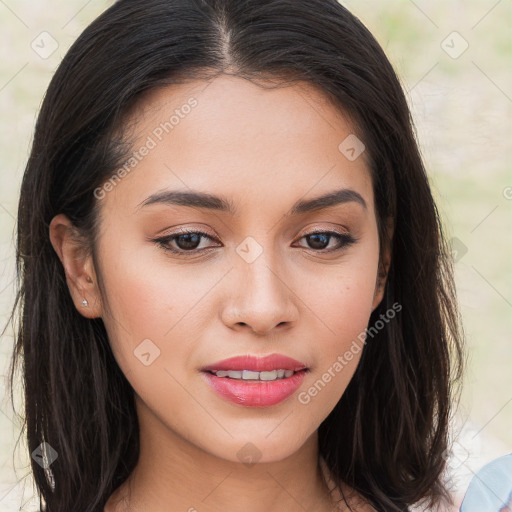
255,393
257,364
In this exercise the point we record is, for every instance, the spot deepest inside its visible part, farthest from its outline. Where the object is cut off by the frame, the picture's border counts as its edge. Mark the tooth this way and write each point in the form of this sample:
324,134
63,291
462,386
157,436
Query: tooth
248,375
268,375
251,375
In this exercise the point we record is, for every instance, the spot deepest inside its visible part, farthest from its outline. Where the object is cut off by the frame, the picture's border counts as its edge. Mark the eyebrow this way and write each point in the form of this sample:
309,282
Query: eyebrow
203,200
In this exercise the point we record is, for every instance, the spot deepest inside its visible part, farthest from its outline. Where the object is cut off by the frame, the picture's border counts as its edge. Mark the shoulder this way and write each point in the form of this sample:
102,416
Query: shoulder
491,487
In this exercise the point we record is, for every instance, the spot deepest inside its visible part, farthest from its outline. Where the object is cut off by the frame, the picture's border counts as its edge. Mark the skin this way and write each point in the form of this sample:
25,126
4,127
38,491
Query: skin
262,149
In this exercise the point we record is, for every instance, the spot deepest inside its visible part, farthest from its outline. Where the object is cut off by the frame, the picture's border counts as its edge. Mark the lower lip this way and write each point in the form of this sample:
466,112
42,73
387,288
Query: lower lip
255,394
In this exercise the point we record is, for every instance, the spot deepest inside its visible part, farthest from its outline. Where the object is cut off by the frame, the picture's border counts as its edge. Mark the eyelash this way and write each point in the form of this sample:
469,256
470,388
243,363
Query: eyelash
345,241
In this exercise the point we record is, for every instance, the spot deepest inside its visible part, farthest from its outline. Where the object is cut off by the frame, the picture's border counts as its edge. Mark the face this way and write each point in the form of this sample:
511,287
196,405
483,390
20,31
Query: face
253,266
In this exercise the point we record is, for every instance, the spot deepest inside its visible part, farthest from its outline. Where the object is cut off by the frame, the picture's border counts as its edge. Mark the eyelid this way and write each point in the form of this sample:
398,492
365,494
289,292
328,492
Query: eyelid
315,231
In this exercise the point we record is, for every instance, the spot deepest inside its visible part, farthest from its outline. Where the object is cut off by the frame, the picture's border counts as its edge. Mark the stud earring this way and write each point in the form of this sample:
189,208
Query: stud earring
85,303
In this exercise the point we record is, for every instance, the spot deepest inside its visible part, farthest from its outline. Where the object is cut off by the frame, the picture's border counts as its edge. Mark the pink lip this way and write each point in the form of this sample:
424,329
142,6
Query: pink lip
257,364
253,393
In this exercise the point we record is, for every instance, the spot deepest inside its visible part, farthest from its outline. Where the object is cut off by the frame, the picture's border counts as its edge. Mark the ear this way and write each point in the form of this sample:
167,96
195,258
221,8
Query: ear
384,263
78,267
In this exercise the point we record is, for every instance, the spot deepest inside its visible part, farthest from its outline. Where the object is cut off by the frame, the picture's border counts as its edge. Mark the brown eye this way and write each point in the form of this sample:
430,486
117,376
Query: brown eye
188,241
319,240
183,242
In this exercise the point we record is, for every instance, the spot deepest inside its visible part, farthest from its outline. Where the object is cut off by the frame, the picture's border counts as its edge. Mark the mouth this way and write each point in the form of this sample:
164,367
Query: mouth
255,381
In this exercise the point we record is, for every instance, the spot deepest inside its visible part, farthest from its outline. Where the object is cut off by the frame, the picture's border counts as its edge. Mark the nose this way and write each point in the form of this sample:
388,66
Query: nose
261,297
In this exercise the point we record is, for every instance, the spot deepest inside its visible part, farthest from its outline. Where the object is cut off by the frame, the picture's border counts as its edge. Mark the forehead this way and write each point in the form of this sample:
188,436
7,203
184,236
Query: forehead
235,137
266,106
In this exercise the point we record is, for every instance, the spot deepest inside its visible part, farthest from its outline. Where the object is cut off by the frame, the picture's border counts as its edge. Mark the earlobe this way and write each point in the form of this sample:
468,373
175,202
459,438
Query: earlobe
78,267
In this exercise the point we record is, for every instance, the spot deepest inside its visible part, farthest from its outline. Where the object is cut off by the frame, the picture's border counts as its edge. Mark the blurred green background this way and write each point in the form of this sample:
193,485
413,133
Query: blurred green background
454,59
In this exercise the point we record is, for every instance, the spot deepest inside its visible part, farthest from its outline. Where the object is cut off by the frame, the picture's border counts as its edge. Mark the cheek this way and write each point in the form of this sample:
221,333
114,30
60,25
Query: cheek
342,305
134,310
338,348
146,295
157,312
149,328
341,297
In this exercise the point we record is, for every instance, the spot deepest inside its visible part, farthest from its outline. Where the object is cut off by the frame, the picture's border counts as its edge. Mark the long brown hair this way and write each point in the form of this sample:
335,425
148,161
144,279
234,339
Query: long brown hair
387,436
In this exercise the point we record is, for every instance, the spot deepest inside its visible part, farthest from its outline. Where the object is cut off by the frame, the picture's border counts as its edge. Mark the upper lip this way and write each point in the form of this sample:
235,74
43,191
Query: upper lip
256,364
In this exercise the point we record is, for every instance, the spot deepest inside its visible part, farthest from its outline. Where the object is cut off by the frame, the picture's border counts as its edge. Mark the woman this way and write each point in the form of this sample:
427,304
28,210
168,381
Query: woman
235,292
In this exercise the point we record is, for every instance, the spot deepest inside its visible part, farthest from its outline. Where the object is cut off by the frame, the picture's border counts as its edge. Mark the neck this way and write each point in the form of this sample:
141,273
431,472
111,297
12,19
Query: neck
173,474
